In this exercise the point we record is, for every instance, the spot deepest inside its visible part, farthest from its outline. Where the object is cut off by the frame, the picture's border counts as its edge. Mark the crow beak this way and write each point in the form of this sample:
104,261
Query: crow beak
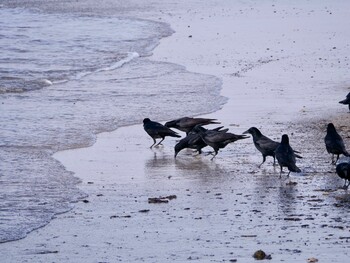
246,132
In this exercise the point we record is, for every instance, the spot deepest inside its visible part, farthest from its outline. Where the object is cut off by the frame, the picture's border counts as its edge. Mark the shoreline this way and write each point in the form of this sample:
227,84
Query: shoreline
120,173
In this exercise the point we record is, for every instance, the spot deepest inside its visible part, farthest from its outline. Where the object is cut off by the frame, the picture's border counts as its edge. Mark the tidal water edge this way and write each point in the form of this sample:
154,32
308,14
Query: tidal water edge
63,79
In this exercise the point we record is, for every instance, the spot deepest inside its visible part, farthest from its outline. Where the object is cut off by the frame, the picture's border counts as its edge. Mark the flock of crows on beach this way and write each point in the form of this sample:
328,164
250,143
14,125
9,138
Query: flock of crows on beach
198,137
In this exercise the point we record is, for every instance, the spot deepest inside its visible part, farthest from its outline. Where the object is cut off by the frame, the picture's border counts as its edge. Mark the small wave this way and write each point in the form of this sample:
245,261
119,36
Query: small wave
46,82
60,81
119,64
130,56
18,85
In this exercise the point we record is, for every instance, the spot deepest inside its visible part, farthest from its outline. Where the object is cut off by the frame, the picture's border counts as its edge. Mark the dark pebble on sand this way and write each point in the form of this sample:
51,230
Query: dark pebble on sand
260,255
144,211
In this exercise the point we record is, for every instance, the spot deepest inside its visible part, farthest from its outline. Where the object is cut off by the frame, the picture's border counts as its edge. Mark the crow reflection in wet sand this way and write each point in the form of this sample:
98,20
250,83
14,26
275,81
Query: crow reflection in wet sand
334,143
186,124
343,171
346,101
218,139
194,141
285,156
264,144
157,131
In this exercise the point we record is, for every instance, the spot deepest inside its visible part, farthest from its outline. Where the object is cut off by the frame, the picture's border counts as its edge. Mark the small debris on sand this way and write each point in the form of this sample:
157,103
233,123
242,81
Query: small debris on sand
171,197
161,199
312,260
123,216
44,252
292,219
157,200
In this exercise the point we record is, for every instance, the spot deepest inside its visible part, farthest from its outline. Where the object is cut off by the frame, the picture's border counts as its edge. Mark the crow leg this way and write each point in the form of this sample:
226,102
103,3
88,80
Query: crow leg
216,152
274,160
281,172
337,159
346,187
160,142
264,159
288,174
332,159
154,142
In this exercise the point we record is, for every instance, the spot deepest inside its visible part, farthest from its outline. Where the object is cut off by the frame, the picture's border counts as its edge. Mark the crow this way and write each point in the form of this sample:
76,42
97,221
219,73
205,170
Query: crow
334,143
218,139
157,130
343,170
285,156
346,101
186,124
194,141
265,145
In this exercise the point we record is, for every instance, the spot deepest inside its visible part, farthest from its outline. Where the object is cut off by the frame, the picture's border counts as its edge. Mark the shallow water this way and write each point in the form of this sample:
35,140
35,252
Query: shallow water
64,78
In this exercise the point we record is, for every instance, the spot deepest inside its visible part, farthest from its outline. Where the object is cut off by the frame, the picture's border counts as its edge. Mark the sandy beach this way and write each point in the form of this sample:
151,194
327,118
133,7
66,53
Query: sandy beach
284,67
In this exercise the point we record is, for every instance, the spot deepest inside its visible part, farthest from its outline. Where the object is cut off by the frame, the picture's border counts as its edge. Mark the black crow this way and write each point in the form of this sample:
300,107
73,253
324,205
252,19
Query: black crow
157,130
194,141
186,124
343,170
286,156
218,139
334,143
346,101
264,144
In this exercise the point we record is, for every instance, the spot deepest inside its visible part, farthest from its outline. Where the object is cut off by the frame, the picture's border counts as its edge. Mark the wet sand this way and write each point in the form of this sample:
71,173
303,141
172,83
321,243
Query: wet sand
228,208
224,209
